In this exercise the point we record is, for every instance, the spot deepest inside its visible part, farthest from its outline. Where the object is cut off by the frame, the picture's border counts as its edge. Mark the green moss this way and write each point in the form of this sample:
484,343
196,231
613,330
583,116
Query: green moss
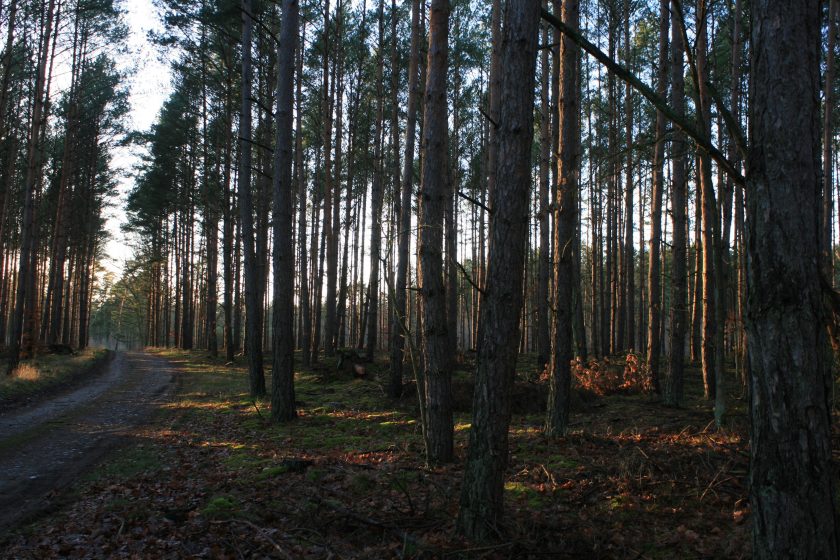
244,460
128,463
527,494
315,475
271,472
560,462
220,507
362,483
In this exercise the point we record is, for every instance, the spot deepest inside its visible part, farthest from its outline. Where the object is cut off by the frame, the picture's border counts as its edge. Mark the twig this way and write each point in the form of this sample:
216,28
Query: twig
468,278
488,117
479,549
403,535
260,531
258,411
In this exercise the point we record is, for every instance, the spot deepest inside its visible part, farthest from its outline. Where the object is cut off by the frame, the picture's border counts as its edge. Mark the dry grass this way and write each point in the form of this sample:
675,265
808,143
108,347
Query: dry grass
26,372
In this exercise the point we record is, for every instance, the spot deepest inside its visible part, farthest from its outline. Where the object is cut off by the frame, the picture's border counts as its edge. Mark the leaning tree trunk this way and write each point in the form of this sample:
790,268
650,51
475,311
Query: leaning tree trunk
792,487
436,360
482,496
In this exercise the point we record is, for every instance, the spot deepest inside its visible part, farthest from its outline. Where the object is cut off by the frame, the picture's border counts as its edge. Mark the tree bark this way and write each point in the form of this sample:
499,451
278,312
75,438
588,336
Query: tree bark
654,263
376,197
792,486
544,273
399,325
253,302
826,238
565,218
26,273
434,190
482,497
282,372
673,393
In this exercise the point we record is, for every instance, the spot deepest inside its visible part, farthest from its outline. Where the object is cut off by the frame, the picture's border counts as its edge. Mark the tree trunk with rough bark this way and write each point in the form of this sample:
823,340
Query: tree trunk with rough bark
792,484
673,387
253,302
565,218
282,372
433,193
482,498
399,325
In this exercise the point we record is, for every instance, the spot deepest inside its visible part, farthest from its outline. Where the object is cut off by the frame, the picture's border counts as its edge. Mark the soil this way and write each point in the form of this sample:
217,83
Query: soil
43,449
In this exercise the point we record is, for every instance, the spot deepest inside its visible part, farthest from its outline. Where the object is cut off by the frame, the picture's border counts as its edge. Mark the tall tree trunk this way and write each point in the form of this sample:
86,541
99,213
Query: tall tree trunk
282,372
436,360
826,237
227,225
253,302
376,202
565,216
673,393
330,234
482,496
792,483
711,373
544,273
628,261
654,263
399,325
303,297
26,273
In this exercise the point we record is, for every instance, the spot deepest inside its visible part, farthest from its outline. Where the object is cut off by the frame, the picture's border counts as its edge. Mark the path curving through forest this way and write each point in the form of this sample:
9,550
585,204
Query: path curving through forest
45,448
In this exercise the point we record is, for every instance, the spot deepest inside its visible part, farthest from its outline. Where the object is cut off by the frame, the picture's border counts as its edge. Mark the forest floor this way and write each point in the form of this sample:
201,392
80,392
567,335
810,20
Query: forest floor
213,478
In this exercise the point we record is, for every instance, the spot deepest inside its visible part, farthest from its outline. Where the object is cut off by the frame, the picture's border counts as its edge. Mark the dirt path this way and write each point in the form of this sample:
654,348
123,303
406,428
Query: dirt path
43,449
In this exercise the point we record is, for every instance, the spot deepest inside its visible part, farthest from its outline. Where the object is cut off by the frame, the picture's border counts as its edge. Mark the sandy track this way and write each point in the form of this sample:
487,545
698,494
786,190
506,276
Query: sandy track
46,447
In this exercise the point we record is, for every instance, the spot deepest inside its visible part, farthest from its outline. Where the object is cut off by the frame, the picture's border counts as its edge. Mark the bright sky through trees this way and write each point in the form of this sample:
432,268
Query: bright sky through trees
150,85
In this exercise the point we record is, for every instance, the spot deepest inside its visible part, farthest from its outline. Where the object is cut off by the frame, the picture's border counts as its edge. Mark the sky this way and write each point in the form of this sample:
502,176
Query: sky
149,85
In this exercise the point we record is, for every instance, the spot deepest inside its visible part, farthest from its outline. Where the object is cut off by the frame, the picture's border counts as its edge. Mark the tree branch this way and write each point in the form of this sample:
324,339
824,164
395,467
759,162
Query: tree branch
626,76
474,201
